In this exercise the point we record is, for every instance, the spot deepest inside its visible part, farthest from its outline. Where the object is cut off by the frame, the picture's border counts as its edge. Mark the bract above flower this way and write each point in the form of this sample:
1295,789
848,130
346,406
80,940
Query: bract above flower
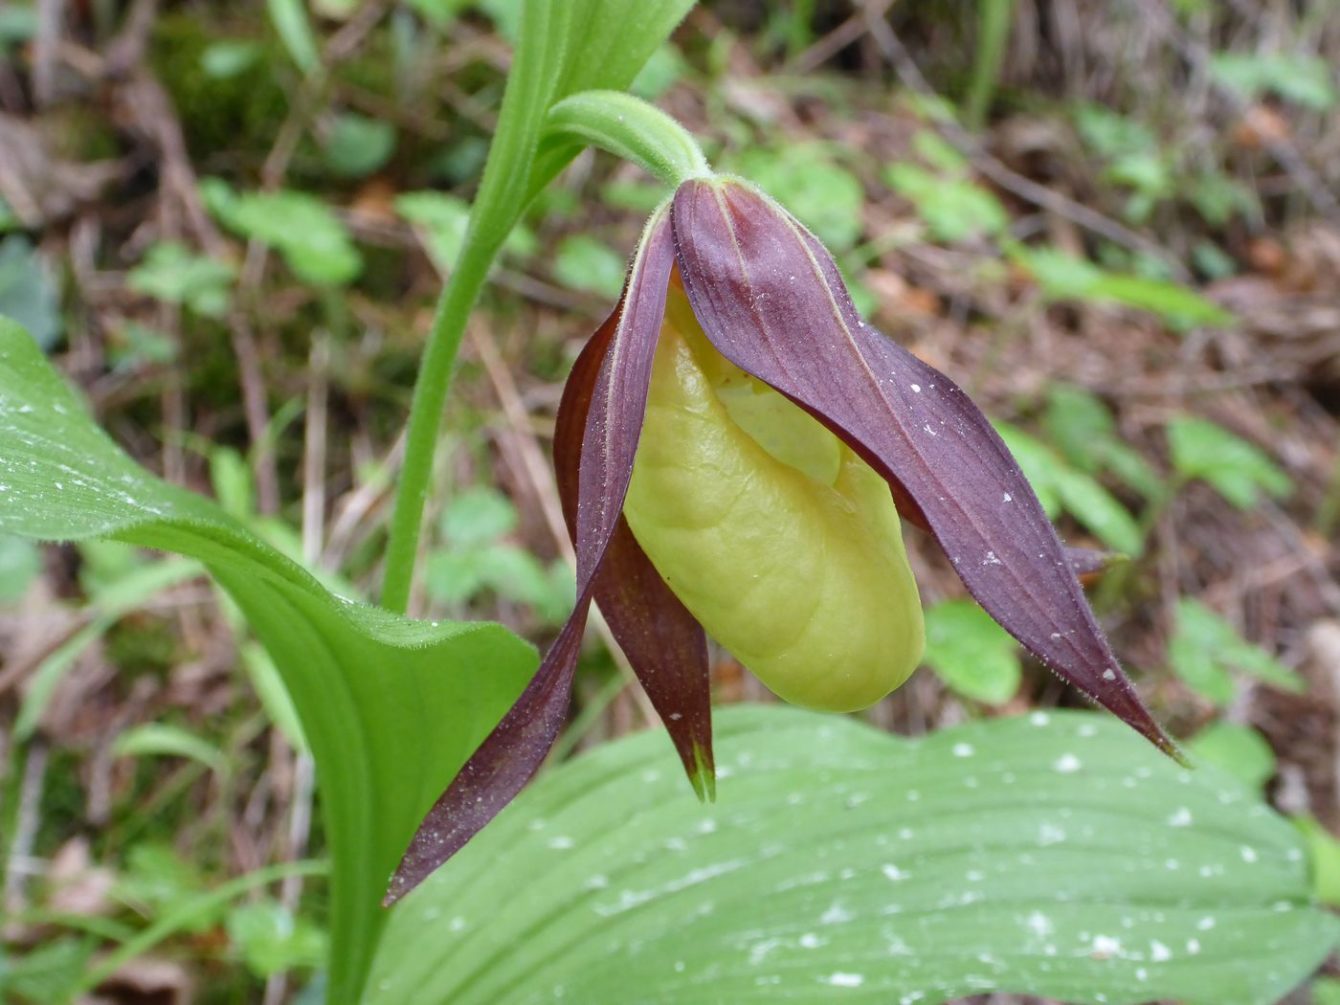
767,433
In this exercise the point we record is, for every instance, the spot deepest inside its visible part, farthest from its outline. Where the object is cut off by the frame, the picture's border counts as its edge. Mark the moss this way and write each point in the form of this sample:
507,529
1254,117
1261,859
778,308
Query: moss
237,114
142,644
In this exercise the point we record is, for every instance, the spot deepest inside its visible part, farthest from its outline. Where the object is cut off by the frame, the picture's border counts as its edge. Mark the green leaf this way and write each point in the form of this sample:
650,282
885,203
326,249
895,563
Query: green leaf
584,263
271,940
478,515
291,23
1239,471
954,209
506,15
1324,854
1238,750
1298,77
1326,991
1083,429
971,653
515,574
157,881
229,58
28,293
438,12
1219,197
1065,277
9,220
1059,486
1178,306
20,563
1147,173
1212,261
391,707
172,273
274,697
1054,855
1110,134
443,220
156,739
18,23
1205,647
1094,507
230,475
940,155
637,197
357,145
1037,462
45,974
301,227
184,917
139,345
453,577
661,72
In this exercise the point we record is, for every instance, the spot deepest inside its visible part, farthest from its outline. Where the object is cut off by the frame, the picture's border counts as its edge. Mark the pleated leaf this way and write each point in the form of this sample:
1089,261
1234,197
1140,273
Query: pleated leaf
391,707
1055,854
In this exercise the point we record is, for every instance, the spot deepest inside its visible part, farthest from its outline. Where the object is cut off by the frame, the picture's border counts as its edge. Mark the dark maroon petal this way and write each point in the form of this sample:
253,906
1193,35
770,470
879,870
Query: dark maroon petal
599,422
500,767
770,298
663,642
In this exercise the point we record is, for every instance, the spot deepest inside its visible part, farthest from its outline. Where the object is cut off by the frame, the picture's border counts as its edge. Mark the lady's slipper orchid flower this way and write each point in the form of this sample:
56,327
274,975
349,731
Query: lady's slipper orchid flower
730,448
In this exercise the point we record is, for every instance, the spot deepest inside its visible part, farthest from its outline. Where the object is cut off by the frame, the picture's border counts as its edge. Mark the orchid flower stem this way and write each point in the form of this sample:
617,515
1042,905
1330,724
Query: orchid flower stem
632,130
430,397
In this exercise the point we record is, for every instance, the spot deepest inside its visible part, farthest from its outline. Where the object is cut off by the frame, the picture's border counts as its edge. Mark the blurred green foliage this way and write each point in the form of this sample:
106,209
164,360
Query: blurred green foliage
476,558
971,653
1237,470
1205,649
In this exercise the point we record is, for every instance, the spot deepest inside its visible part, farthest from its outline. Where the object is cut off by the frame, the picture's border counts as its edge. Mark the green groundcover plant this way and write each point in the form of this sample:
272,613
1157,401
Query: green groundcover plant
736,451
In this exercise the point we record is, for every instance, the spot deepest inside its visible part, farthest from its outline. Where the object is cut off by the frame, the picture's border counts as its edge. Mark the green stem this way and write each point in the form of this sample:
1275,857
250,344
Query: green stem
631,129
993,36
425,416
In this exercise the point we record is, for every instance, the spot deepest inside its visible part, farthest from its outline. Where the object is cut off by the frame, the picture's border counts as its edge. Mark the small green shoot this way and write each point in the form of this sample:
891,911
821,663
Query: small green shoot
1064,277
271,940
302,228
1324,852
971,653
1083,429
476,558
1239,750
29,293
20,563
1305,80
1205,650
173,274
584,263
1060,487
1240,472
